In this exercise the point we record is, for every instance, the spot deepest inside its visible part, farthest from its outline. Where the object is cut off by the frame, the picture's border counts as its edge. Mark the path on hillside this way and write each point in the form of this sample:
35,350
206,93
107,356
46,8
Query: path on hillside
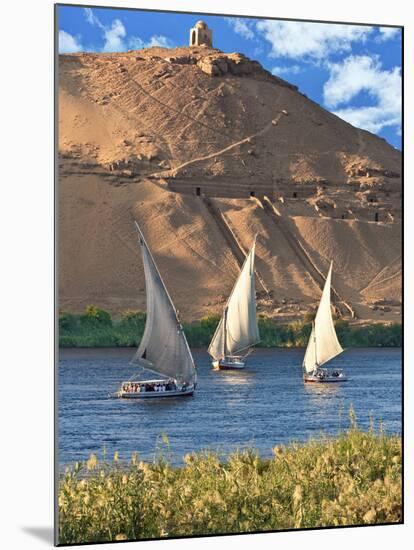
274,122
230,237
342,307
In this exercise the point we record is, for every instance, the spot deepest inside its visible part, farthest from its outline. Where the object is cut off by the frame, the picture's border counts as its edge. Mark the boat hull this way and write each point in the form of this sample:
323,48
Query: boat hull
154,394
309,379
223,364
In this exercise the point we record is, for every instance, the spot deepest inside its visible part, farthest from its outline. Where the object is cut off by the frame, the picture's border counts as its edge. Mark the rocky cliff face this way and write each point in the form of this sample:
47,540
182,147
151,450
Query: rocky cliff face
205,149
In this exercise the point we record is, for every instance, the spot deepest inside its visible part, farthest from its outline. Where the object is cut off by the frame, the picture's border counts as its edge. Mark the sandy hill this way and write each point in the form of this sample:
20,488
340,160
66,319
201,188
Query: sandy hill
204,149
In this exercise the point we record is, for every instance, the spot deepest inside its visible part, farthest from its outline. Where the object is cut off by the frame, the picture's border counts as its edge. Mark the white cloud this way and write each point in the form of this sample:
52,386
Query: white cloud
388,33
362,73
136,43
296,39
114,36
68,43
116,39
240,26
292,69
92,19
160,41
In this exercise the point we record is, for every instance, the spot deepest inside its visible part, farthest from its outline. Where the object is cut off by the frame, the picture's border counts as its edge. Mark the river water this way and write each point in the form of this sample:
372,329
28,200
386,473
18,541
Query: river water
260,407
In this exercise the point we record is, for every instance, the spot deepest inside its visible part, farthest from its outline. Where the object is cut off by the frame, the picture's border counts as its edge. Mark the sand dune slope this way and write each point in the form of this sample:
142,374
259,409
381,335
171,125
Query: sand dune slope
152,136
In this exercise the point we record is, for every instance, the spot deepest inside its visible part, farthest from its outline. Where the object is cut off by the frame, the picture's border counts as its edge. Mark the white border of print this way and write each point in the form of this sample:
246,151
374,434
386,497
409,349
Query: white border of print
26,274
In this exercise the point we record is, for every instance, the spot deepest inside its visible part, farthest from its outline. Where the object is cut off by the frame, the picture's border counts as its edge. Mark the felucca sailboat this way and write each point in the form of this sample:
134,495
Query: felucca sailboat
163,350
323,342
237,331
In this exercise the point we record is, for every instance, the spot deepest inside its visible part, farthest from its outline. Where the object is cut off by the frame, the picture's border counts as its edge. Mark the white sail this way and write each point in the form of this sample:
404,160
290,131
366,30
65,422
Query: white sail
163,348
238,328
323,343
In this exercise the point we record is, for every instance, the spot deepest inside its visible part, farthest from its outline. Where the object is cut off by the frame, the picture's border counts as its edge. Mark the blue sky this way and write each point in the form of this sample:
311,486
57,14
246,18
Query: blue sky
353,71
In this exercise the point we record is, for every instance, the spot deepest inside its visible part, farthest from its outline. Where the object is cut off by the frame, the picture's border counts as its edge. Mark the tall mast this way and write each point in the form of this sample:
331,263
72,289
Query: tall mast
314,339
224,331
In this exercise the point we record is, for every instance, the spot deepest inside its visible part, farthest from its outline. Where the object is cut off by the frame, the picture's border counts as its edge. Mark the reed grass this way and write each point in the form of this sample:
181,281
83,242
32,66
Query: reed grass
96,328
352,479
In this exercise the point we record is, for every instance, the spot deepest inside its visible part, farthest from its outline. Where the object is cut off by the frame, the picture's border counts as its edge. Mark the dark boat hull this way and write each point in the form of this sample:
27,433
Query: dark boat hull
325,380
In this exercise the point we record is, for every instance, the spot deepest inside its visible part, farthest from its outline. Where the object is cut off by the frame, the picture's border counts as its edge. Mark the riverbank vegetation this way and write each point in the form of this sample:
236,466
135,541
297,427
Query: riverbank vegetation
353,479
96,328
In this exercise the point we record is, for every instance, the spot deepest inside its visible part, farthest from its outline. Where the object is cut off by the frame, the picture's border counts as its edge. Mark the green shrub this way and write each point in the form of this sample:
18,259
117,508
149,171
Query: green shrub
67,341
95,317
95,327
209,323
67,321
134,320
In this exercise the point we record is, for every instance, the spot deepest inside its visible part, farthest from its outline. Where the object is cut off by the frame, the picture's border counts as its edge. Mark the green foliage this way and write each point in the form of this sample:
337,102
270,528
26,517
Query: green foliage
67,341
375,335
67,321
210,322
134,320
95,317
95,328
354,479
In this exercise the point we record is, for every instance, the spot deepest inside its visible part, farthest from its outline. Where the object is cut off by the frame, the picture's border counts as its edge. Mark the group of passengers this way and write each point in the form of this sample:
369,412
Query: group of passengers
321,374
139,387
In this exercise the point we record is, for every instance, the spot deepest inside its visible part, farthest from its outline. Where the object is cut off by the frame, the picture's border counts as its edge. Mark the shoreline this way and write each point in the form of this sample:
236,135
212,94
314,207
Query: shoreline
96,329
66,352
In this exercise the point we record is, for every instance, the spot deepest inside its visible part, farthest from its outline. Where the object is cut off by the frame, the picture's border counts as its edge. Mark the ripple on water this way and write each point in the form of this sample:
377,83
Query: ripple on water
264,405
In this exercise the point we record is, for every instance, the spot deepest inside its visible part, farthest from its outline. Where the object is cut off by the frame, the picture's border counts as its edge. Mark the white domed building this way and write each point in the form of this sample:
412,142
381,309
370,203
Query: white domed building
201,35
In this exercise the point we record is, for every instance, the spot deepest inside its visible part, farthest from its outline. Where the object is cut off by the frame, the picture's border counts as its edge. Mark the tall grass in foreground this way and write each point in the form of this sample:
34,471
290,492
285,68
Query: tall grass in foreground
352,479
96,328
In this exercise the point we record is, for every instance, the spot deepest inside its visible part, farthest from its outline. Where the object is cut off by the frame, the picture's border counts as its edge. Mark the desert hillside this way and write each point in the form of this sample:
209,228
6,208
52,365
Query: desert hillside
205,149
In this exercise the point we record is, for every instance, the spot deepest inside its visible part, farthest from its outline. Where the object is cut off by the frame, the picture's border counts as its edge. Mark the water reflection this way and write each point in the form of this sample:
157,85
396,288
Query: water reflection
238,377
321,391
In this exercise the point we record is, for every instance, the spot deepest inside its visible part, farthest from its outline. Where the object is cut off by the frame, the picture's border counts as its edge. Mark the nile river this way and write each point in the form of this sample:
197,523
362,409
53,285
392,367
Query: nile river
264,405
